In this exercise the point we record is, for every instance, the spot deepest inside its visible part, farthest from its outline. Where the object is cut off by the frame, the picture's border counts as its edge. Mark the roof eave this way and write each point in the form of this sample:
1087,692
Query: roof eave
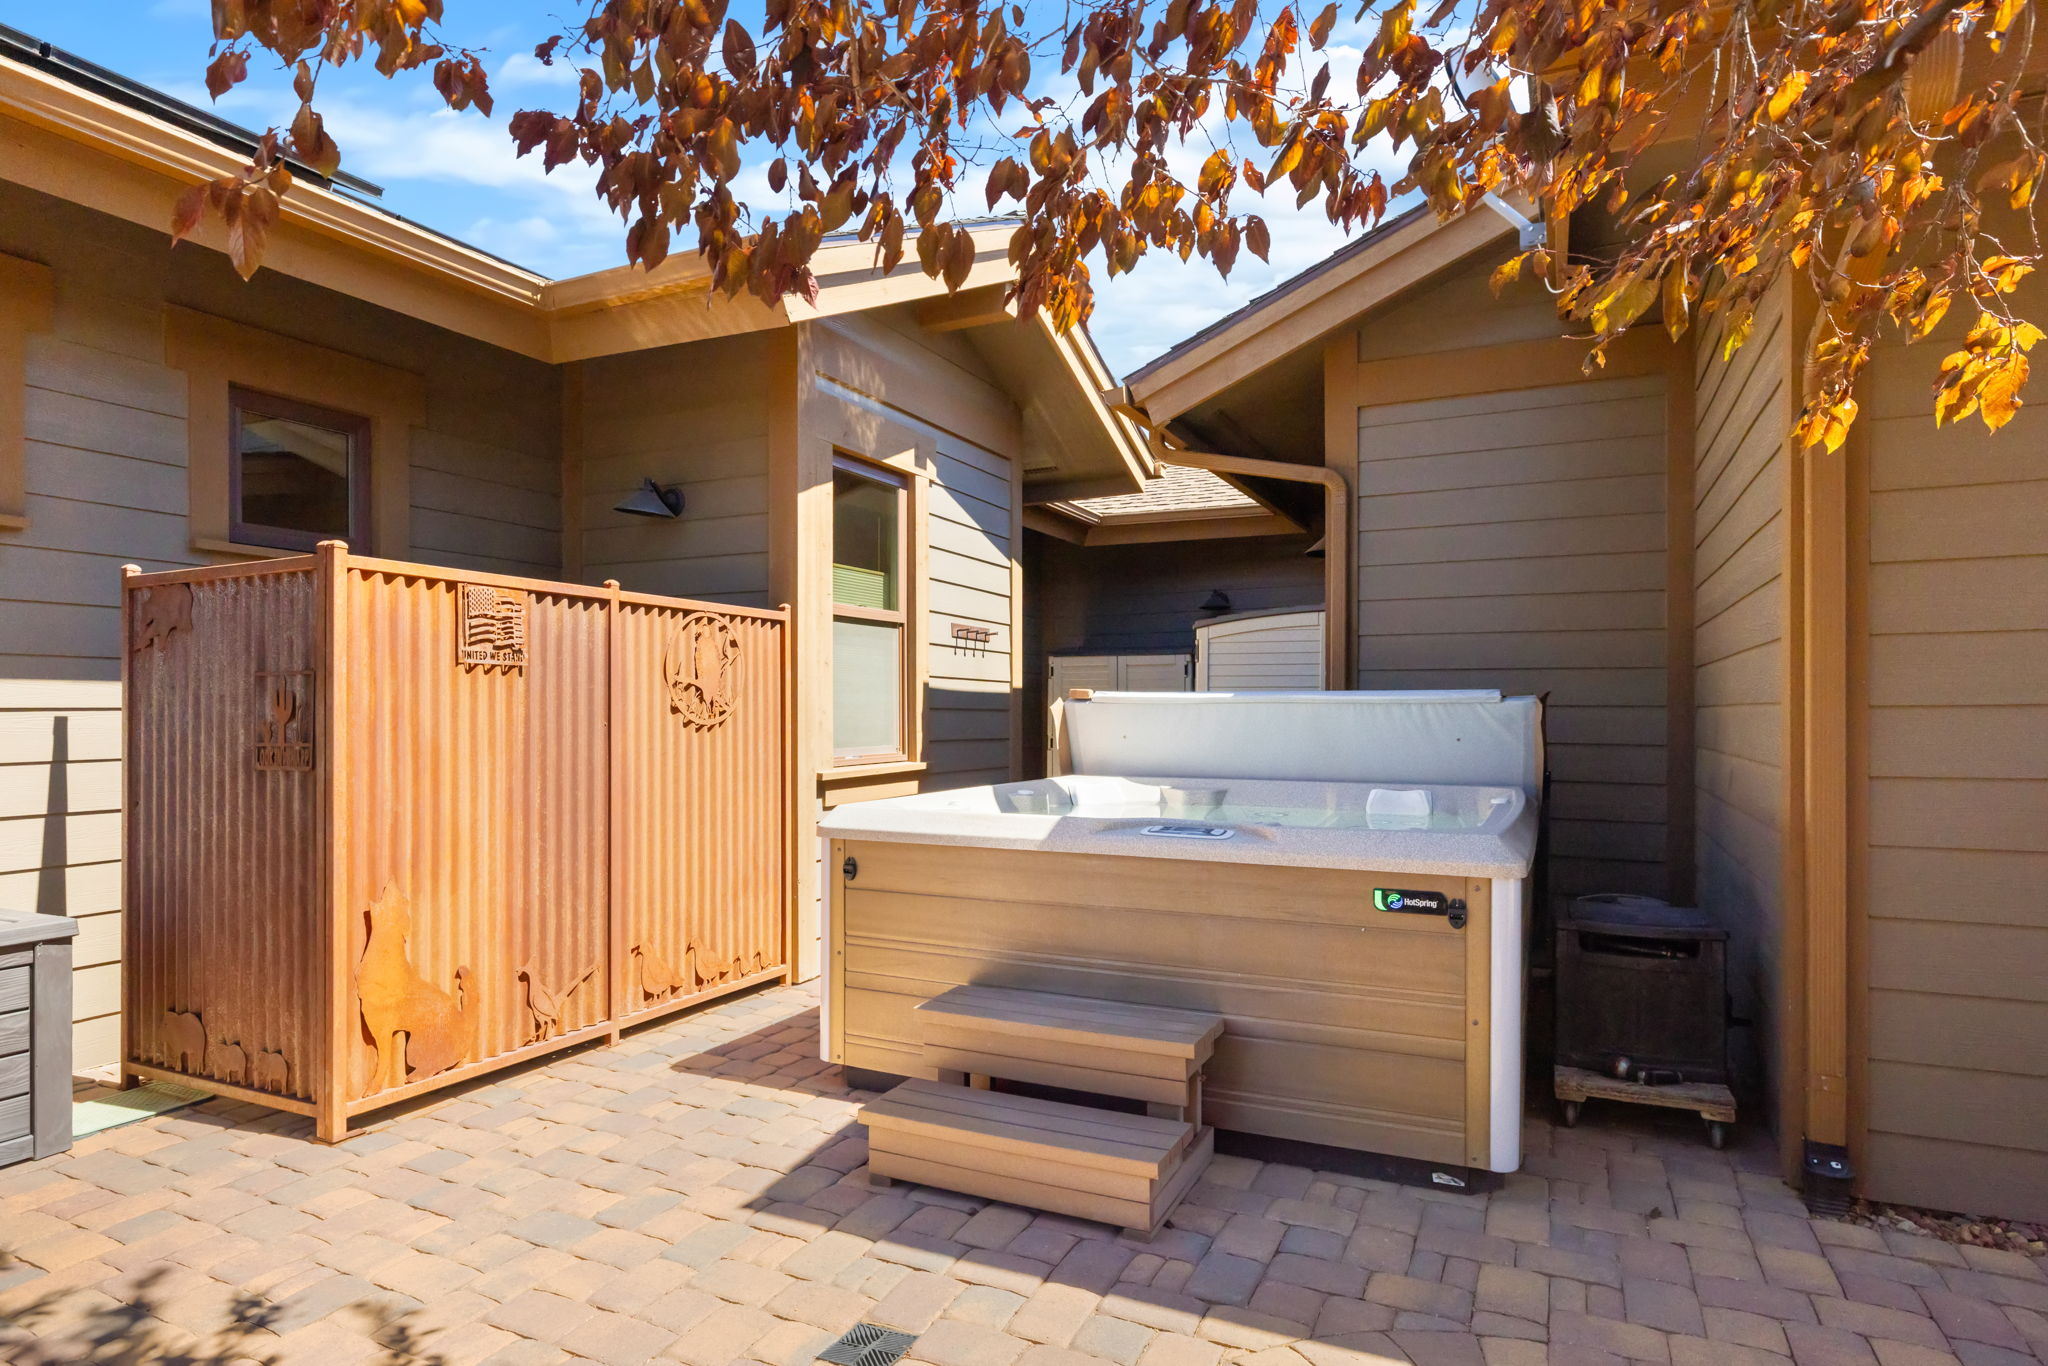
1383,266
498,300
1087,370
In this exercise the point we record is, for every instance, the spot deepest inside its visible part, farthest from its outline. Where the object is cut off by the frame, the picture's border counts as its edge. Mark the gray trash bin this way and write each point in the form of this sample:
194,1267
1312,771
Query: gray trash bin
35,1034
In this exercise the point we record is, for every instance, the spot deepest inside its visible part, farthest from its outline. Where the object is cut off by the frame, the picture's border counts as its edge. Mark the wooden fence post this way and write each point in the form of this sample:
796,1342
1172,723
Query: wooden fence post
614,726
792,792
129,880
330,674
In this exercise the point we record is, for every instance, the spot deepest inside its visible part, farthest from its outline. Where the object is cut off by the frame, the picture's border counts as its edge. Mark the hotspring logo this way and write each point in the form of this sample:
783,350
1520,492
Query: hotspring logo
1415,903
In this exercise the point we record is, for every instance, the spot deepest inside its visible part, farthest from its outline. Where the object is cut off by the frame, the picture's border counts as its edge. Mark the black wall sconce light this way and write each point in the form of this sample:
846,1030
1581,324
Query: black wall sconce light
653,500
1216,603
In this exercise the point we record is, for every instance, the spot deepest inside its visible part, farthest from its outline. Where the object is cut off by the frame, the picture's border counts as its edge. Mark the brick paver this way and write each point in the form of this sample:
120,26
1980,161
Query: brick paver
698,1194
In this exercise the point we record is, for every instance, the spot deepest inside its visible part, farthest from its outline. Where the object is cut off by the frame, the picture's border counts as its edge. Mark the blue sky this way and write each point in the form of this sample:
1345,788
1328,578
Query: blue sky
456,172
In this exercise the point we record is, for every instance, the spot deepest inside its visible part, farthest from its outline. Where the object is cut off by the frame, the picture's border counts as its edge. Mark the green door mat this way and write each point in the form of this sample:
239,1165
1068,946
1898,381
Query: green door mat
109,1109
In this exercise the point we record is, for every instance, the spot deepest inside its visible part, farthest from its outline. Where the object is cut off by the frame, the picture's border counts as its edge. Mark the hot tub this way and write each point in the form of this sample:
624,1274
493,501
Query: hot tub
1362,939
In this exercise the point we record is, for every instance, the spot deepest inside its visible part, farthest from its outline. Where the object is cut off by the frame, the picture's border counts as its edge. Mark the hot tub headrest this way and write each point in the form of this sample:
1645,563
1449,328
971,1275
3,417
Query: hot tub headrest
1472,738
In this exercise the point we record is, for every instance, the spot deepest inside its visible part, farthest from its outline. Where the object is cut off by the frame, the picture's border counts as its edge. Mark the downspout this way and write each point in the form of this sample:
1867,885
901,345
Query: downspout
1336,526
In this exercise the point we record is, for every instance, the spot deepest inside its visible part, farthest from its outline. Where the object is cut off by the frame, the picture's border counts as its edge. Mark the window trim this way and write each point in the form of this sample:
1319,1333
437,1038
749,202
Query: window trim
27,299
218,354
359,429
903,617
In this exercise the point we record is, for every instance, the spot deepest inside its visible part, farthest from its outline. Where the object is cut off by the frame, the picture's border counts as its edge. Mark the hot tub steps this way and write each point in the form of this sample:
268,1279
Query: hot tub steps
1077,1043
1123,1169
959,1133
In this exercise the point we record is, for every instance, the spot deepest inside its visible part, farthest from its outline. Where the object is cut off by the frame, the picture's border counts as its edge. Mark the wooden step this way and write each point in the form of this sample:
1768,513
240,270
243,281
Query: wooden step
1127,1170
1112,1048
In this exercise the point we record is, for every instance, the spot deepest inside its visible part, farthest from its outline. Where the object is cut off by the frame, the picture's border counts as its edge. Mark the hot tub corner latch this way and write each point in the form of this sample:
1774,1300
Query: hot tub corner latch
851,868
1457,913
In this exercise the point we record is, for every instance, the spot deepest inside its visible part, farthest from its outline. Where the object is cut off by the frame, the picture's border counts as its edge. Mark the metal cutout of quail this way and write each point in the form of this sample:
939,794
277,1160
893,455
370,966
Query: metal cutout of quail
701,666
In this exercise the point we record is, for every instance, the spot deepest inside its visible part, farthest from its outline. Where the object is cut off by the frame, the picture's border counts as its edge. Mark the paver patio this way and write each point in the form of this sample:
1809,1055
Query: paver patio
697,1194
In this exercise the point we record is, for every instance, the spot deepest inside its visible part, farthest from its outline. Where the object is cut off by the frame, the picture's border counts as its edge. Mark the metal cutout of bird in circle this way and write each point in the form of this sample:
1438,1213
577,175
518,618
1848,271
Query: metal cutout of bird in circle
702,666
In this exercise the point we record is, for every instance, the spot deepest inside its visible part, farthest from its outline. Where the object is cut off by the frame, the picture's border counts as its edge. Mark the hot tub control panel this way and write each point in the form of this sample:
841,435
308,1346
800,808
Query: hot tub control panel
1188,830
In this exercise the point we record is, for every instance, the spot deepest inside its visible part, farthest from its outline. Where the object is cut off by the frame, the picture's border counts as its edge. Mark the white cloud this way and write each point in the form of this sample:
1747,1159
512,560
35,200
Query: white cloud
524,71
456,172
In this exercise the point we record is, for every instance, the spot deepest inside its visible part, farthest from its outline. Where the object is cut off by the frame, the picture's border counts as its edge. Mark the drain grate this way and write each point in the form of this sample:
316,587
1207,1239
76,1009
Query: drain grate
865,1344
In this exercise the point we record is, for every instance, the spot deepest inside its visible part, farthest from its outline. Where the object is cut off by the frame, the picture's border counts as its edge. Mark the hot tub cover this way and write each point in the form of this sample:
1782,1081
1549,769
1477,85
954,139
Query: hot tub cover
1472,737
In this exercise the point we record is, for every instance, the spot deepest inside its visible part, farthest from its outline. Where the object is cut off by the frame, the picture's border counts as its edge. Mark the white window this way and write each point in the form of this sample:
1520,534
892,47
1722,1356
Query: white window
871,651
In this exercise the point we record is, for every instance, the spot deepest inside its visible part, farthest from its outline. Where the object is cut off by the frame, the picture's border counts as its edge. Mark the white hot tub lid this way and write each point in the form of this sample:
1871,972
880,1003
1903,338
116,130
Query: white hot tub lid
1469,738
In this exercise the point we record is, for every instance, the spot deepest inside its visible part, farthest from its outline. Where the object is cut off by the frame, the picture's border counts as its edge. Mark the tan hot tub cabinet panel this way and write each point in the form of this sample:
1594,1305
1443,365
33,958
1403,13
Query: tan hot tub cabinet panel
1343,1025
391,826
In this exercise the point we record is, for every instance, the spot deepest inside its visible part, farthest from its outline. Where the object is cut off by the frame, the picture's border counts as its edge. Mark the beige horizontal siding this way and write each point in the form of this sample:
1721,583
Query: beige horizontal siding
1416,325
1739,415
1957,804
1516,540
879,372
695,416
60,835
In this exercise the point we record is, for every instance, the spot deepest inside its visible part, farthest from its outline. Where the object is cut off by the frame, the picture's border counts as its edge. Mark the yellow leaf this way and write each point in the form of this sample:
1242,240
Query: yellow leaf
1929,316
1787,95
1826,425
1999,399
1840,416
1676,301
1623,305
1509,271
1739,325
2006,272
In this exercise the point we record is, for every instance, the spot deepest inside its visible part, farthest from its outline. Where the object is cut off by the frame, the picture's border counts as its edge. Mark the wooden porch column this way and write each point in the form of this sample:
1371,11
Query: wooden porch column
1824,489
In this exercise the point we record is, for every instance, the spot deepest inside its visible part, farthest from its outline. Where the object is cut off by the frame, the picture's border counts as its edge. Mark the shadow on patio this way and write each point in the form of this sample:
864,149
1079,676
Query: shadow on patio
697,1194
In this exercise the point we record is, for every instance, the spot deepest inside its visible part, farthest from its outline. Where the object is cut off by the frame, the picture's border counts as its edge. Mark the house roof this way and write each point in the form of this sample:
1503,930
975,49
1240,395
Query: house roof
1362,274
32,51
1181,503
1179,491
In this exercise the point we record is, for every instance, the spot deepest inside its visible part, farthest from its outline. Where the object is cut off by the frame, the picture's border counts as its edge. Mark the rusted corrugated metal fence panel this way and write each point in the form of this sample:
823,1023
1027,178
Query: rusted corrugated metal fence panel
222,839
435,885
699,719
475,814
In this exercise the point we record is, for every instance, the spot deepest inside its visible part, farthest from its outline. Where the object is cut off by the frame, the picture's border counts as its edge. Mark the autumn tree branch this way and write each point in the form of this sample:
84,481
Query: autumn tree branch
1832,139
